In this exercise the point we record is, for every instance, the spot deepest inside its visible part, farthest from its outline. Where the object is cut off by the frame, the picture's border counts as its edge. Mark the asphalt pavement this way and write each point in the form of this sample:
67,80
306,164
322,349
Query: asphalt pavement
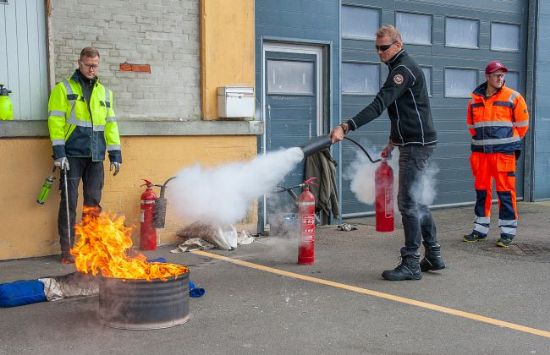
488,300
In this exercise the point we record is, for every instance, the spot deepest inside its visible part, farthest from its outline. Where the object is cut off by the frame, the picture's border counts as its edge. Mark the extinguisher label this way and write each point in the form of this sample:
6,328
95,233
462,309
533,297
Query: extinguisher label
308,220
308,228
142,217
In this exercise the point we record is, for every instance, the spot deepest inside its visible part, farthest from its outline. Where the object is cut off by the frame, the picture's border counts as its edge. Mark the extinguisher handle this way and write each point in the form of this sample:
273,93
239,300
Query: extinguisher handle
311,181
147,183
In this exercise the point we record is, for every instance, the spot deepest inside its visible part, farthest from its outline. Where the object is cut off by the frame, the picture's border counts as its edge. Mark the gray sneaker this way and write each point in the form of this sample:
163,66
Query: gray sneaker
504,242
474,237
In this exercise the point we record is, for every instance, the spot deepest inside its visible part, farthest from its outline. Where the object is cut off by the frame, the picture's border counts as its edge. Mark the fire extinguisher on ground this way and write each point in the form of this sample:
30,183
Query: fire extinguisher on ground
148,233
306,215
384,197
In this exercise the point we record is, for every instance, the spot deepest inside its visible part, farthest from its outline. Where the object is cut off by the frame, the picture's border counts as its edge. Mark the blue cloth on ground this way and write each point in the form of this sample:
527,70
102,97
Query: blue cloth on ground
157,260
195,291
19,293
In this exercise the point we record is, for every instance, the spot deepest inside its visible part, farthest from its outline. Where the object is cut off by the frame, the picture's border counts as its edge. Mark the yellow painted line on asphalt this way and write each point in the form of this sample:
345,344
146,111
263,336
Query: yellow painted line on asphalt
386,296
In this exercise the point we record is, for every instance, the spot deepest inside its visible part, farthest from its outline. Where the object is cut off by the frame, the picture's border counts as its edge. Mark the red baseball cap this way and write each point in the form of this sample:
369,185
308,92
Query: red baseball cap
495,65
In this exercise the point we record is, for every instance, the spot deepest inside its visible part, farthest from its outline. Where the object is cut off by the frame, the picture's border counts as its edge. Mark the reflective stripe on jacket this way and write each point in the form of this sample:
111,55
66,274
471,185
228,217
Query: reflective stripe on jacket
497,123
81,129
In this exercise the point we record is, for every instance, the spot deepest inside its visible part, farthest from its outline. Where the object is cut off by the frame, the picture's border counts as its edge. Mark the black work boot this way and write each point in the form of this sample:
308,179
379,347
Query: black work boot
408,269
432,258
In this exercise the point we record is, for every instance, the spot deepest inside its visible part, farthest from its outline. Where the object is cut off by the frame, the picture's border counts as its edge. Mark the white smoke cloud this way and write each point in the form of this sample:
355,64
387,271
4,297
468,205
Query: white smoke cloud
223,194
424,189
361,174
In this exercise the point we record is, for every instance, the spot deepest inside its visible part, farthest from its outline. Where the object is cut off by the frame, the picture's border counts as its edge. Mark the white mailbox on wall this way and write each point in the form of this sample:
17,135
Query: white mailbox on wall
236,102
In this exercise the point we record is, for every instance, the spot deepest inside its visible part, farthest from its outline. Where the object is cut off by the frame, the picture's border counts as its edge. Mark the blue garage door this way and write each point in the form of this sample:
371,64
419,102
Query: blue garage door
452,41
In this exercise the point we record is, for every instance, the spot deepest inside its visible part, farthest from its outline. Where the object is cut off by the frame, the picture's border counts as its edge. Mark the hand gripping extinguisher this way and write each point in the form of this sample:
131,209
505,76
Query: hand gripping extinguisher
148,233
6,107
306,217
383,182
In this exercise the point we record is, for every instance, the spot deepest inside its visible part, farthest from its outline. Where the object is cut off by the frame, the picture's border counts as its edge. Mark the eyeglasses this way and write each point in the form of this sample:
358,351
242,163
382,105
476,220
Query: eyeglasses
384,47
90,66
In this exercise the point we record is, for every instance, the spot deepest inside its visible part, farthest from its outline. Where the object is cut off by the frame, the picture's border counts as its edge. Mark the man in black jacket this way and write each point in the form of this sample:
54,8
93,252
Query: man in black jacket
405,96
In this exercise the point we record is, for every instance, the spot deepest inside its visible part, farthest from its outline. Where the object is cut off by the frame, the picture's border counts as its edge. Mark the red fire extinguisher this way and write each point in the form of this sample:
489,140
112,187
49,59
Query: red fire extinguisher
383,182
306,216
148,233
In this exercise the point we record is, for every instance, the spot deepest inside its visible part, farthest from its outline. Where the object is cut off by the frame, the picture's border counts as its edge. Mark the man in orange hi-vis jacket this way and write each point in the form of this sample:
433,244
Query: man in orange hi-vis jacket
497,120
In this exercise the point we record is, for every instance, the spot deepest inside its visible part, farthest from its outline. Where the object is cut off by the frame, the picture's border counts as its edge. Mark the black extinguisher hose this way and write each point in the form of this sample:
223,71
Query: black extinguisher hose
363,149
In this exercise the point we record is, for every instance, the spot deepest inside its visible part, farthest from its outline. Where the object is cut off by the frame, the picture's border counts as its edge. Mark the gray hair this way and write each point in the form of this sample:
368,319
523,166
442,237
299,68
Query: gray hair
389,31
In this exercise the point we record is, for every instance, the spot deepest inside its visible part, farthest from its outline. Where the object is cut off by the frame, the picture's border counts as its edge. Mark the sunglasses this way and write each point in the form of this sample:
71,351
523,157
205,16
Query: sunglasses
384,47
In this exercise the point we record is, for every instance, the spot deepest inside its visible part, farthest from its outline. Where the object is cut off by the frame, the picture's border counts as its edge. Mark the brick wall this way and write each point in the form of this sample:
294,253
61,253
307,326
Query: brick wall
162,33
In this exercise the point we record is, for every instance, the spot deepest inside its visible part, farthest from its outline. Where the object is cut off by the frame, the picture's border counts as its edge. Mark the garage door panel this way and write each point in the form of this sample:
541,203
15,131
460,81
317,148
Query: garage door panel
449,113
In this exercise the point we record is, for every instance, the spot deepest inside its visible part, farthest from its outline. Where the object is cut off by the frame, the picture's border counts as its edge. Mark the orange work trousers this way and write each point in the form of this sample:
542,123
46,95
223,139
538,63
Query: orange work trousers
502,168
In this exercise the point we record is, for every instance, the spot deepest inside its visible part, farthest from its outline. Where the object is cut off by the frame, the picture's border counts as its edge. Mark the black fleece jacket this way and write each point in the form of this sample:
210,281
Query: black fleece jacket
405,95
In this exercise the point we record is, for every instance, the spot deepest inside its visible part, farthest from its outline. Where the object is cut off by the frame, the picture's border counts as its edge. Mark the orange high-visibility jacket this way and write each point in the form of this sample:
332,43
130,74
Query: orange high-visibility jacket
497,123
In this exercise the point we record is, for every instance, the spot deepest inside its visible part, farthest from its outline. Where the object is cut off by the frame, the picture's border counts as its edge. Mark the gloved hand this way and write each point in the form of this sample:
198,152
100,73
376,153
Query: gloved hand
386,152
62,163
116,167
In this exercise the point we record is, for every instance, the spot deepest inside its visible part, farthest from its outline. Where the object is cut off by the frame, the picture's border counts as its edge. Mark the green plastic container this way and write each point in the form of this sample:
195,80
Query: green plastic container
6,107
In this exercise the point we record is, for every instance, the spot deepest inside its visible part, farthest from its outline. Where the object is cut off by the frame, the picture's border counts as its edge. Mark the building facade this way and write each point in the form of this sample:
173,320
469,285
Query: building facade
167,114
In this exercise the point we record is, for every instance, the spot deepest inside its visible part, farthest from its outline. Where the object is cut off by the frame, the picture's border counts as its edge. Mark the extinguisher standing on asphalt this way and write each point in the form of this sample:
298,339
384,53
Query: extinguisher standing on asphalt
383,182
148,233
306,215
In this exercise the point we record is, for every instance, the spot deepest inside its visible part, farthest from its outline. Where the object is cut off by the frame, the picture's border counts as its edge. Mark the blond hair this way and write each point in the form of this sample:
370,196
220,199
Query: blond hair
389,31
89,52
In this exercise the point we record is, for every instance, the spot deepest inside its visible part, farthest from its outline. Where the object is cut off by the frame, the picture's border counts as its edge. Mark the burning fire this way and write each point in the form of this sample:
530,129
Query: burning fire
102,245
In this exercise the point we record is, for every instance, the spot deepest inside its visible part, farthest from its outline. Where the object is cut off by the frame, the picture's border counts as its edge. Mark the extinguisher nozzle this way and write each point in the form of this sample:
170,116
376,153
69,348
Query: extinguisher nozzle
316,145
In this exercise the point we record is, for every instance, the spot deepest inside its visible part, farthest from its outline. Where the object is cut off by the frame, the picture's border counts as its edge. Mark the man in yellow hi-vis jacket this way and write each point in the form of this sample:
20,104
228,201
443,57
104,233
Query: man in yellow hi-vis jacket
82,125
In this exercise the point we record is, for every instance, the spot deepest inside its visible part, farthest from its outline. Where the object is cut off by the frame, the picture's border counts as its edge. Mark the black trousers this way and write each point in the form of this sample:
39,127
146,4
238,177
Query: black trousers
418,223
92,175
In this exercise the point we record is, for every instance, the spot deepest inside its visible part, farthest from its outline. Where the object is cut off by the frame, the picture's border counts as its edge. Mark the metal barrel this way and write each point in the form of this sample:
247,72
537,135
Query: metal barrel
141,304
316,145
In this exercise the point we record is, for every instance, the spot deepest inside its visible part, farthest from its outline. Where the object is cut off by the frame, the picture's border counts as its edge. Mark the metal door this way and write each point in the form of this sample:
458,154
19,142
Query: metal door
292,106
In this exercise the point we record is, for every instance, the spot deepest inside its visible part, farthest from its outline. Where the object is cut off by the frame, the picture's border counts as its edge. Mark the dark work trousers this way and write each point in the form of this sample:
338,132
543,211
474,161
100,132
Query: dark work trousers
92,176
417,219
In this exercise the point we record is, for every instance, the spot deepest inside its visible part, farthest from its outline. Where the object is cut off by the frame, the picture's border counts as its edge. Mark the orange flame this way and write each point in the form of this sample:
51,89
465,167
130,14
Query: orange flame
101,248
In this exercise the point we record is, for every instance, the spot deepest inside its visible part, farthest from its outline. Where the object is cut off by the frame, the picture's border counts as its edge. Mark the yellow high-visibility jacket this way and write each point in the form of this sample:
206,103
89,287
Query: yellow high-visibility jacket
81,129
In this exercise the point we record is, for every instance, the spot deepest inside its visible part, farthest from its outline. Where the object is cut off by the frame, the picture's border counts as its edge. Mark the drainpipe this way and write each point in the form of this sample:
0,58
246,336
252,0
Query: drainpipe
530,97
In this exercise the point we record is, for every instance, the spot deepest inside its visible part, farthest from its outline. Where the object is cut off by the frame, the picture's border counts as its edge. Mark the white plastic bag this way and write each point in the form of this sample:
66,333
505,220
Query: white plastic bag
229,235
